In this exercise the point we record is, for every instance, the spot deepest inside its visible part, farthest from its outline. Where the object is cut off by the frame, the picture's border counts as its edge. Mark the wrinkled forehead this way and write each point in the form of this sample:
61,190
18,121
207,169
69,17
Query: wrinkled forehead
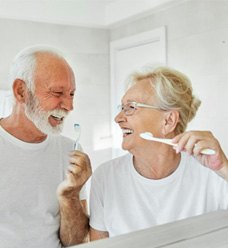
48,61
51,68
140,91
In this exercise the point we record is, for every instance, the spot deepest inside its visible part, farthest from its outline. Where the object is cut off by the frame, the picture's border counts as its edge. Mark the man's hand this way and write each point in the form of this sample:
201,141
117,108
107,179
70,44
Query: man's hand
193,142
74,224
78,173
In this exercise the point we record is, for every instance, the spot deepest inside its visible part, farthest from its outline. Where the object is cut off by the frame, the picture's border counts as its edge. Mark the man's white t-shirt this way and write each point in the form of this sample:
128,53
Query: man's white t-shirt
30,174
122,201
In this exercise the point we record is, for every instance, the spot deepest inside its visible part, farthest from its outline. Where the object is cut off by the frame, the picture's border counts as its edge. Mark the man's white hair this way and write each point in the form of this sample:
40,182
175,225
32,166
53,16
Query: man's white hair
24,64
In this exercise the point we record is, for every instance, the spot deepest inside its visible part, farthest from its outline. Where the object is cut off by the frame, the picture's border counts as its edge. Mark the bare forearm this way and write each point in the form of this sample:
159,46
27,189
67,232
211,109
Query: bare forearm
74,224
95,234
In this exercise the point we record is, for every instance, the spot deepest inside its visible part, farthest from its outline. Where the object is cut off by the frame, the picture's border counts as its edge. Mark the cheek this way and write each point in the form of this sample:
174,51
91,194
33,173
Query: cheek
153,125
50,103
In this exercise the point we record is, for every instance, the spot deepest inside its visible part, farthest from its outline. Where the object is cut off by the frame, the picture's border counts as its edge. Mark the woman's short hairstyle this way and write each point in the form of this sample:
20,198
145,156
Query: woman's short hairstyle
24,64
173,91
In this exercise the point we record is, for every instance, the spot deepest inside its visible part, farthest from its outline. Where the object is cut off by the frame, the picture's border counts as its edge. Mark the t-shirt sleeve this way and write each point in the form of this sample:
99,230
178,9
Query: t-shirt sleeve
220,187
97,202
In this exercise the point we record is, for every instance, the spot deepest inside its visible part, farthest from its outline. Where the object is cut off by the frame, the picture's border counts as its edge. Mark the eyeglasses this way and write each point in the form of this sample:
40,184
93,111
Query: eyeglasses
130,107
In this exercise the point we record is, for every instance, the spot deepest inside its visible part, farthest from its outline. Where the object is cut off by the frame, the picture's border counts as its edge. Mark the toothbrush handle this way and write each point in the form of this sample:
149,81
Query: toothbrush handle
76,146
208,151
205,151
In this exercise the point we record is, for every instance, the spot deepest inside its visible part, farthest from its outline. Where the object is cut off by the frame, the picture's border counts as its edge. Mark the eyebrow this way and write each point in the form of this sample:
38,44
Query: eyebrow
60,88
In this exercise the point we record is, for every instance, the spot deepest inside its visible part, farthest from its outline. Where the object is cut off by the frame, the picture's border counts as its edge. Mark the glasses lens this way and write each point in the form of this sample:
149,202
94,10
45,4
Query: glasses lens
120,107
128,108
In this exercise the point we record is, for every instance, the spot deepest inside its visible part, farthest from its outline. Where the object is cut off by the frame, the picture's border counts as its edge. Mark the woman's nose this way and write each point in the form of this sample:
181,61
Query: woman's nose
120,117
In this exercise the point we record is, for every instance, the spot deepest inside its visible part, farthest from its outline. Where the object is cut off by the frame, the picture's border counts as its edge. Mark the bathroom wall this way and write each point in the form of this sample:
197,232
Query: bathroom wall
197,44
88,51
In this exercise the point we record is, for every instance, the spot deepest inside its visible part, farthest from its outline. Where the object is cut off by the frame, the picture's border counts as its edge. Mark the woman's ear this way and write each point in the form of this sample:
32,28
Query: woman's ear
171,118
19,90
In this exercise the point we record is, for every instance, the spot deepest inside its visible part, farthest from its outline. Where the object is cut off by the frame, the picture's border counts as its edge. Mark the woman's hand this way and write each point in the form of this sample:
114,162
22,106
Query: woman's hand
193,142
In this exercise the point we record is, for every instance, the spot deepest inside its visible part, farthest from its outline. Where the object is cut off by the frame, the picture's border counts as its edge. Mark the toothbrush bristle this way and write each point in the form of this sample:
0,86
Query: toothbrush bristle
76,125
148,133
77,128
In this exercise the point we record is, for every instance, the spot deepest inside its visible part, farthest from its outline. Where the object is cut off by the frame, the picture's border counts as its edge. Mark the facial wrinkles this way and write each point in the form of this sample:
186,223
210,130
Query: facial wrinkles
40,117
141,92
53,75
145,119
51,68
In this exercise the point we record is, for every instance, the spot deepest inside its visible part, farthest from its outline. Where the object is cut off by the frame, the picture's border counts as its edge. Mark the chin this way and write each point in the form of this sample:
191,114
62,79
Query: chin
125,147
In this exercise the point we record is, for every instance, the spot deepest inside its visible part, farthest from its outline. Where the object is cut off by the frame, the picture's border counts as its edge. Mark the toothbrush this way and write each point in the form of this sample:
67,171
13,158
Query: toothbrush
77,130
149,136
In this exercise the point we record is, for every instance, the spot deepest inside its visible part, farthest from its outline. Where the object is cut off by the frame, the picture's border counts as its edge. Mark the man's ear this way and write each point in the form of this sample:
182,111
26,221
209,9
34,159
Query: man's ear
171,118
19,90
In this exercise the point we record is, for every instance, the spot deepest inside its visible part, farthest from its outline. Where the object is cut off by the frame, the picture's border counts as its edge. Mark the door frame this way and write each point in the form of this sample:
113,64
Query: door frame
155,35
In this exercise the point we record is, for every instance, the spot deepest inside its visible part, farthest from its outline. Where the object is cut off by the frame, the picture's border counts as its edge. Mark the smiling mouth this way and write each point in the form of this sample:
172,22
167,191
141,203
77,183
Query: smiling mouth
126,132
57,117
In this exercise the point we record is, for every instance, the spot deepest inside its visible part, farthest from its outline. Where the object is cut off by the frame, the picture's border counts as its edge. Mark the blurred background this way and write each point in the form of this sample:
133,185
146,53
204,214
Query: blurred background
105,40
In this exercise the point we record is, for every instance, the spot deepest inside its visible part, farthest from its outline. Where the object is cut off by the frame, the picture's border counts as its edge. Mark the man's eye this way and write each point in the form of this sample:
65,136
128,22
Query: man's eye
57,93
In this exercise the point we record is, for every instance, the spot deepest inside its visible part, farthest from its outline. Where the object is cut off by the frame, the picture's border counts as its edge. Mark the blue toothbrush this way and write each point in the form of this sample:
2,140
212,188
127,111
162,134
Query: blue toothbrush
77,129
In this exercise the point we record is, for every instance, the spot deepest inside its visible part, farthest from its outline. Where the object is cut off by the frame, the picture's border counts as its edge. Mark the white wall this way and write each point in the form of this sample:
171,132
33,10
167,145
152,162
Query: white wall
88,49
197,38
197,44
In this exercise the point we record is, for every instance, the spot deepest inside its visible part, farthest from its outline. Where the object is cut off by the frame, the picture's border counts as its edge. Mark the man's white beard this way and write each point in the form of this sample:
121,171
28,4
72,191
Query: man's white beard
40,117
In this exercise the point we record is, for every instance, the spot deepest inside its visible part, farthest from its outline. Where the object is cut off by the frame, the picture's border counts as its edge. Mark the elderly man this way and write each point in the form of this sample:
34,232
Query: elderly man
36,161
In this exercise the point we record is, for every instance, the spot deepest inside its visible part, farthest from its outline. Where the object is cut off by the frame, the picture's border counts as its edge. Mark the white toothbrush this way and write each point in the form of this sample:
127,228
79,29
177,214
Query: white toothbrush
149,136
77,130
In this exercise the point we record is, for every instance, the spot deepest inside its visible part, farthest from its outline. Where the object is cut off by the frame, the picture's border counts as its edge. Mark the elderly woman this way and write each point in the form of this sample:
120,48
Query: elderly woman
154,183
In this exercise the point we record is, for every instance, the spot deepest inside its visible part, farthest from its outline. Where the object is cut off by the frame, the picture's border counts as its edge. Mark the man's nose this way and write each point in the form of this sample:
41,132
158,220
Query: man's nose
67,103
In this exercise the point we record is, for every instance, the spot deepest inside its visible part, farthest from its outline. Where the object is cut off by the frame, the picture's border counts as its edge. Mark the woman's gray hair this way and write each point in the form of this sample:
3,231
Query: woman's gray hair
24,64
173,91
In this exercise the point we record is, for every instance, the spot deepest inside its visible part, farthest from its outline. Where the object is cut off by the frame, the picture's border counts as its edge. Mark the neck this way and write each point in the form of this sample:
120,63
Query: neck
18,125
157,165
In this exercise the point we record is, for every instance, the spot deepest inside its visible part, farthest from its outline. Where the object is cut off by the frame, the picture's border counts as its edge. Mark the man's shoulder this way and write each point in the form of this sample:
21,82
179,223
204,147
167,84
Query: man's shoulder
63,141
62,138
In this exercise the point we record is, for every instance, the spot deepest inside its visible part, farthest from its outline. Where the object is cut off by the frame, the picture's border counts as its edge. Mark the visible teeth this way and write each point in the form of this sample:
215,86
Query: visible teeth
57,117
127,131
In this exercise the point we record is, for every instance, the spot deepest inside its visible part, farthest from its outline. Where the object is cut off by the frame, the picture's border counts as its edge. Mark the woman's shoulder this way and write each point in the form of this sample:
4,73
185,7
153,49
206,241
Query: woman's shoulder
115,165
